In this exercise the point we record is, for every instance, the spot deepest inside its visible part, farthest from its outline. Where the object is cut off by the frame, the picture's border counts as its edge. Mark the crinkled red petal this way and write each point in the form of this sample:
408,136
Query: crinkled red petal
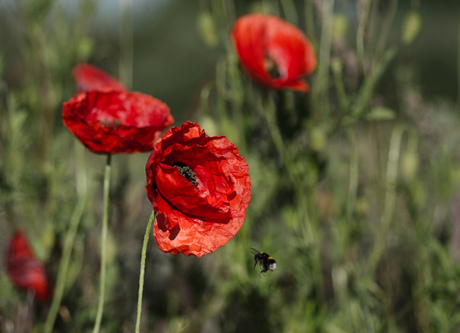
116,122
196,220
249,35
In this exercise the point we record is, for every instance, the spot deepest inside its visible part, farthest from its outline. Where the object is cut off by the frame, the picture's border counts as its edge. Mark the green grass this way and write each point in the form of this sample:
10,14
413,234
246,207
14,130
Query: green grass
354,187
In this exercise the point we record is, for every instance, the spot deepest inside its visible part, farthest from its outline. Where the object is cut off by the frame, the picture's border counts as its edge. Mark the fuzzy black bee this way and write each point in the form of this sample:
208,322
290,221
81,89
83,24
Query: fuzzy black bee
265,261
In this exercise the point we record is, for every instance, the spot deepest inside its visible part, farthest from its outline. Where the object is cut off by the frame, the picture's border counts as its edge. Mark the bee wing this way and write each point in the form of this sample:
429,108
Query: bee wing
254,251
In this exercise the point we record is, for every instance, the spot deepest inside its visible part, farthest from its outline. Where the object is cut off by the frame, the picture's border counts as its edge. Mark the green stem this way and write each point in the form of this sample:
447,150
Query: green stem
64,264
319,94
222,98
458,68
237,98
340,87
142,271
363,19
385,29
204,98
126,43
309,22
268,111
105,218
69,240
370,82
390,196
353,172
290,11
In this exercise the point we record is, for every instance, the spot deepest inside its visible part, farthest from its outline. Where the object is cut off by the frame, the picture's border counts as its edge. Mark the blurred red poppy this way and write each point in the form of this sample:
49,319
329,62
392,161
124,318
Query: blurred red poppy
200,188
24,270
89,77
115,121
273,52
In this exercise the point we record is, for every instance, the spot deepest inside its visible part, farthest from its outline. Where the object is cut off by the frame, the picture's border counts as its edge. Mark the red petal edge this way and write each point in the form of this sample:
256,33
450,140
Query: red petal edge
176,231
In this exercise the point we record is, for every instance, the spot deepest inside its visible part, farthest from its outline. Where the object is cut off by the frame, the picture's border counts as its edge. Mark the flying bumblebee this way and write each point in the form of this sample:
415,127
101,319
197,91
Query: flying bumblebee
265,261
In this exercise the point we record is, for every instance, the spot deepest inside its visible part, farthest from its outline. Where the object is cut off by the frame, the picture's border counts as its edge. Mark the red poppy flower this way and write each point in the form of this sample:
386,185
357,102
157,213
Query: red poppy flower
89,77
200,188
24,270
115,121
273,52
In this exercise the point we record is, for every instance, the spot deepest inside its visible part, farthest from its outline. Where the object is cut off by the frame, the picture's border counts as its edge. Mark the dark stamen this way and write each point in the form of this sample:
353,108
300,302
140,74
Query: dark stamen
186,172
271,67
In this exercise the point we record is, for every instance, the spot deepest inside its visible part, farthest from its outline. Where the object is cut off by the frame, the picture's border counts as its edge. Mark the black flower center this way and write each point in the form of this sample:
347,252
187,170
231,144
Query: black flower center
186,172
271,67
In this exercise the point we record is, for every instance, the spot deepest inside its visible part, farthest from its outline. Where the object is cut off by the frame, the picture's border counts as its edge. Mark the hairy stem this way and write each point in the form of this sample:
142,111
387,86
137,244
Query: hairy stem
142,271
105,218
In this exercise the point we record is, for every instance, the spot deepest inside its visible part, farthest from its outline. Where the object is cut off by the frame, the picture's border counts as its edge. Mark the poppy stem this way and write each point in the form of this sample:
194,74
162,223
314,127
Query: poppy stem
142,271
105,217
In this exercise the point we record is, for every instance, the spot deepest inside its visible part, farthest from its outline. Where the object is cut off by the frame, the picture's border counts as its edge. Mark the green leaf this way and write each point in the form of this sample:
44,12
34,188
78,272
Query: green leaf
380,113
207,29
339,27
411,27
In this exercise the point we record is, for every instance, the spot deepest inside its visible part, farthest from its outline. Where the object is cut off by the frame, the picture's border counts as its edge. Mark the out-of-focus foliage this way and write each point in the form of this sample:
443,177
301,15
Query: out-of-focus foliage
355,186
411,27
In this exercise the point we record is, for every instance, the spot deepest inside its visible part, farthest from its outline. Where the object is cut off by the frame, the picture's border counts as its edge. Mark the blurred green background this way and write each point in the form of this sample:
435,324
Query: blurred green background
356,195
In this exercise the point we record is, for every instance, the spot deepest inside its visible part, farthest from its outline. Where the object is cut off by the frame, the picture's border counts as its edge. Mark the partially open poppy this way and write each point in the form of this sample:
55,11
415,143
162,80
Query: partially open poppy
25,271
200,188
89,77
116,122
273,52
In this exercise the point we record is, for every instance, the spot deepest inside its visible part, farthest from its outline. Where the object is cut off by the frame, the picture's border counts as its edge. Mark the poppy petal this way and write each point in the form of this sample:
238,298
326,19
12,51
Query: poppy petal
299,86
25,271
89,77
196,214
273,52
116,122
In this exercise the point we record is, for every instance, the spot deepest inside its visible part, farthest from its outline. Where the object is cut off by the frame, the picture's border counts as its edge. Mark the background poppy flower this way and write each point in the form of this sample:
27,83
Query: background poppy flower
200,188
89,77
273,52
24,270
115,121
